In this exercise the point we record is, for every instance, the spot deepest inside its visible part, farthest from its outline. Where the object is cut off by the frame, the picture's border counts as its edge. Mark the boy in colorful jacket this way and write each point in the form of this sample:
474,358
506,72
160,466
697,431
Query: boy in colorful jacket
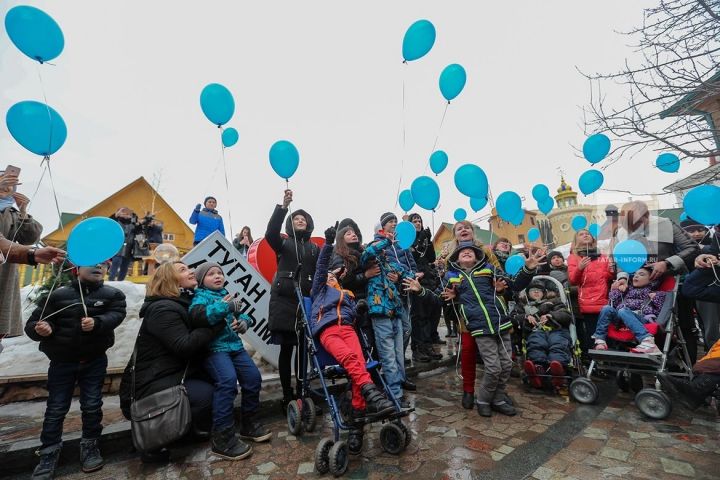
472,282
332,321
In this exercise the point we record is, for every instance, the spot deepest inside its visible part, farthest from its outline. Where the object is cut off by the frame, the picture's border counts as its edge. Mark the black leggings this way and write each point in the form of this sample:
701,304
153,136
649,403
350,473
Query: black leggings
284,361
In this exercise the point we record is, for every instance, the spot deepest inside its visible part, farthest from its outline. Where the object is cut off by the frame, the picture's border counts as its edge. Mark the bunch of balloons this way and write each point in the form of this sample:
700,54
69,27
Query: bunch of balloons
541,194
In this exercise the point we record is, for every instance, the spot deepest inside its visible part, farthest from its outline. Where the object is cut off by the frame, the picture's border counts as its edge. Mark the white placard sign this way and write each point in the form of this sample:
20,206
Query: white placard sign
243,279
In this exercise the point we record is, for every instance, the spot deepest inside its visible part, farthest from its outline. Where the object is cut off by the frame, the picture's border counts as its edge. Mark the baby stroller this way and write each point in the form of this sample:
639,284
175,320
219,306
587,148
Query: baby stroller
631,369
575,367
331,453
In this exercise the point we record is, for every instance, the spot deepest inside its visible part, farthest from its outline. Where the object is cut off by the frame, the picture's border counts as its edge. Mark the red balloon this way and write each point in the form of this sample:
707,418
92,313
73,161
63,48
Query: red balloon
262,257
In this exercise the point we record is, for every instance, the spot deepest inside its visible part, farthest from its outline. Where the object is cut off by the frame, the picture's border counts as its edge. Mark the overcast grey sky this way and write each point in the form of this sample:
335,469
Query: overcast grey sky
328,76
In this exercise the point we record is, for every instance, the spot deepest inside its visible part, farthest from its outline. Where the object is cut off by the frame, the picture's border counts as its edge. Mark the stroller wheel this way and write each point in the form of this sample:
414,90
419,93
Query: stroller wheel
392,438
583,391
406,431
636,382
339,459
309,419
322,455
294,417
622,382
653,403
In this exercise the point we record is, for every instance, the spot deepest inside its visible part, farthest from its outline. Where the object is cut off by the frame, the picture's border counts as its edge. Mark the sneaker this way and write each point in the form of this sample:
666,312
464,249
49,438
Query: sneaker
90,457
225,444
600,344
647,346
558,374
404,402
484,409
252,430
531,373
504,408
45,470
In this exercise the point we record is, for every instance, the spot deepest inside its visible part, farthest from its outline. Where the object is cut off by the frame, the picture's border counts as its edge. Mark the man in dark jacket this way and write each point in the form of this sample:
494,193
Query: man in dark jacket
75,328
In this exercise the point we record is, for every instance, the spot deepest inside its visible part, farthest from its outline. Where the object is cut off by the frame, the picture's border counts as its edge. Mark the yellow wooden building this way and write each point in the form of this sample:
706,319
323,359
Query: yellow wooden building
140,197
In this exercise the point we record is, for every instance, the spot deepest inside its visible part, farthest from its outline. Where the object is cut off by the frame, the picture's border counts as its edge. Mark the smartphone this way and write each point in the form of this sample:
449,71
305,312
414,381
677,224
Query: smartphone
12,170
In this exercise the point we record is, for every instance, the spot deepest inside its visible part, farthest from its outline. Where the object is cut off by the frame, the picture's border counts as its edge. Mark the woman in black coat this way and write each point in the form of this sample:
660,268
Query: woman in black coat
293,251
166,346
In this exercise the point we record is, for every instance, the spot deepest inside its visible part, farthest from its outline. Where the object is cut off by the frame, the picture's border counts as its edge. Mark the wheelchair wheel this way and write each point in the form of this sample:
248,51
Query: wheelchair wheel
339,458
584,391
622,382
392,438
309,419
294,417
406,431
653,403
322,455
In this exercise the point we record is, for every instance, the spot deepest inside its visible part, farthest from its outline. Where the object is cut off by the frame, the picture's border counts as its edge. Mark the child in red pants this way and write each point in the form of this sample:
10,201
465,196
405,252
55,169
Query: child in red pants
332,321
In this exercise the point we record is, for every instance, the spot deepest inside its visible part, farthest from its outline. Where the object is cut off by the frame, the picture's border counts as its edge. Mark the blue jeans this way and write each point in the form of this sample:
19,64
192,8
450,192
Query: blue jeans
62,378
226,370
389,344
544,347
119,268
632,321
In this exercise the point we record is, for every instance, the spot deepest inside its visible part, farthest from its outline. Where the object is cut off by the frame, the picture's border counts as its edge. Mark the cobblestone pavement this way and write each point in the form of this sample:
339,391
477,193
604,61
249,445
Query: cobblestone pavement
550,438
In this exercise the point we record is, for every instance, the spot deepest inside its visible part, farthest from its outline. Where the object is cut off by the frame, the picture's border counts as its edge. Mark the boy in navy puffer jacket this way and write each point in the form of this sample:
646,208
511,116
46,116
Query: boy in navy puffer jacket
228,363
332,321
634,305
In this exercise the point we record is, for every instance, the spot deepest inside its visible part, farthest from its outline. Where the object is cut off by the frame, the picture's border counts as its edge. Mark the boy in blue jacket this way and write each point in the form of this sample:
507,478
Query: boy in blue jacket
207,220
228,363
332,321
473,282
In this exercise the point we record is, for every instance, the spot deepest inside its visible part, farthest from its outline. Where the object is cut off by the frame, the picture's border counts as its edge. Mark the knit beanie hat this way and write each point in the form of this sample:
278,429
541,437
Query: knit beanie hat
387,217
690,223
208,198
554,253
202,270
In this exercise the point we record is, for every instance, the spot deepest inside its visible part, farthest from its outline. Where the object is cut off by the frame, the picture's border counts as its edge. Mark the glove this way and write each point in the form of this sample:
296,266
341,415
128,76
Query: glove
235,305
330,234
198,207
428,235
242,326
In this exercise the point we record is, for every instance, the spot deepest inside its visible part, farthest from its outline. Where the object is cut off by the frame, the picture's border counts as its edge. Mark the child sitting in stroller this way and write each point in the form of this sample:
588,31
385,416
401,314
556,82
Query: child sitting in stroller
633,305
545,321
332,321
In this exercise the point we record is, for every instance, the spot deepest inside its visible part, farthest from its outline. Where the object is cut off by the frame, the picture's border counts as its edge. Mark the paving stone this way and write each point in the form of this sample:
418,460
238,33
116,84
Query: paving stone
450,433
543,473
267,467
638,435
614,453
504,449
258,477
436,429
497,456
677,468
305,468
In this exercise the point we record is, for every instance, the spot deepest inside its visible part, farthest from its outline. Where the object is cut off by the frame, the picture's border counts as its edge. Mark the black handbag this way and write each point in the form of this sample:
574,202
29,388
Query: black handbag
160,418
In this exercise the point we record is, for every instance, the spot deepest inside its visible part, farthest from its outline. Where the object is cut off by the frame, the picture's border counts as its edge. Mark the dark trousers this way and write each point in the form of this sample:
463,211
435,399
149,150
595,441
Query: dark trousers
119,268
544,347
62,378
586,328
424,323
200,396
227,369
284,367
686,322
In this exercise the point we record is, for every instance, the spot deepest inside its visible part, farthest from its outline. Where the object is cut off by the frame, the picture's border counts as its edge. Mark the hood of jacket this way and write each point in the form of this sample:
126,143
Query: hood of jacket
308,230
349,222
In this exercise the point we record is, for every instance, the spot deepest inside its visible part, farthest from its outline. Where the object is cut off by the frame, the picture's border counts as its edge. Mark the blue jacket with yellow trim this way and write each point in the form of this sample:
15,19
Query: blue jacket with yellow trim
331,303
484,312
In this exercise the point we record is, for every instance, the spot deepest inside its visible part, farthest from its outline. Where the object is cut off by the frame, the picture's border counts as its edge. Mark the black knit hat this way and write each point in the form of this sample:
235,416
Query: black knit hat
208,198
690,223
387,217
555,253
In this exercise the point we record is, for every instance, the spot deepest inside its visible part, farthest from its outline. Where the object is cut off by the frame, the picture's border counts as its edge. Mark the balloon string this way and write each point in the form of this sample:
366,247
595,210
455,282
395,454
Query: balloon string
82,297
402,155
437,137
52,184
52,287
47,107
227,185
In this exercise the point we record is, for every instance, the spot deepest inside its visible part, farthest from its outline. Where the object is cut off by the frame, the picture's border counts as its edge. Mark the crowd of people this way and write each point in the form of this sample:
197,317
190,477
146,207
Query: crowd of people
395,296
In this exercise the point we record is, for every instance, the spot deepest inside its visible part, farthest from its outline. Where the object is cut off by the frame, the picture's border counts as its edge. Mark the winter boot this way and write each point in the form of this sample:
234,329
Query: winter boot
45,470
430,352
557,371
250,429
468,400
419,356
691,394
356,434
504,407
531,373
90,457
225,444
484,409
376,403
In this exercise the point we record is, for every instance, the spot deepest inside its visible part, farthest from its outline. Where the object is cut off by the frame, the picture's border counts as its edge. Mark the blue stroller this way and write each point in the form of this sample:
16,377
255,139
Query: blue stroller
331,453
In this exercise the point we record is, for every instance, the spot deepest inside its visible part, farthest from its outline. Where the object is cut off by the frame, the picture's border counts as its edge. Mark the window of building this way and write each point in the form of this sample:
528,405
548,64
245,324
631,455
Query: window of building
169,237
521,238
532,220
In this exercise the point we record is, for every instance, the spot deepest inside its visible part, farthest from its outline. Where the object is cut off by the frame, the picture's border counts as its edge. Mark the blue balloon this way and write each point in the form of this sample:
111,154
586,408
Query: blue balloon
546,205
594,230
540,192
478,204
701,204
590,181
425,192
217,103
518,217
438,161
533,234
34,33
230,137
405,234
683,216
406,200
452,81
596,147
508,206
418,40
37,127
630,255
579,222
668,162
284,158
471,180
460,214
514,264
94,240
